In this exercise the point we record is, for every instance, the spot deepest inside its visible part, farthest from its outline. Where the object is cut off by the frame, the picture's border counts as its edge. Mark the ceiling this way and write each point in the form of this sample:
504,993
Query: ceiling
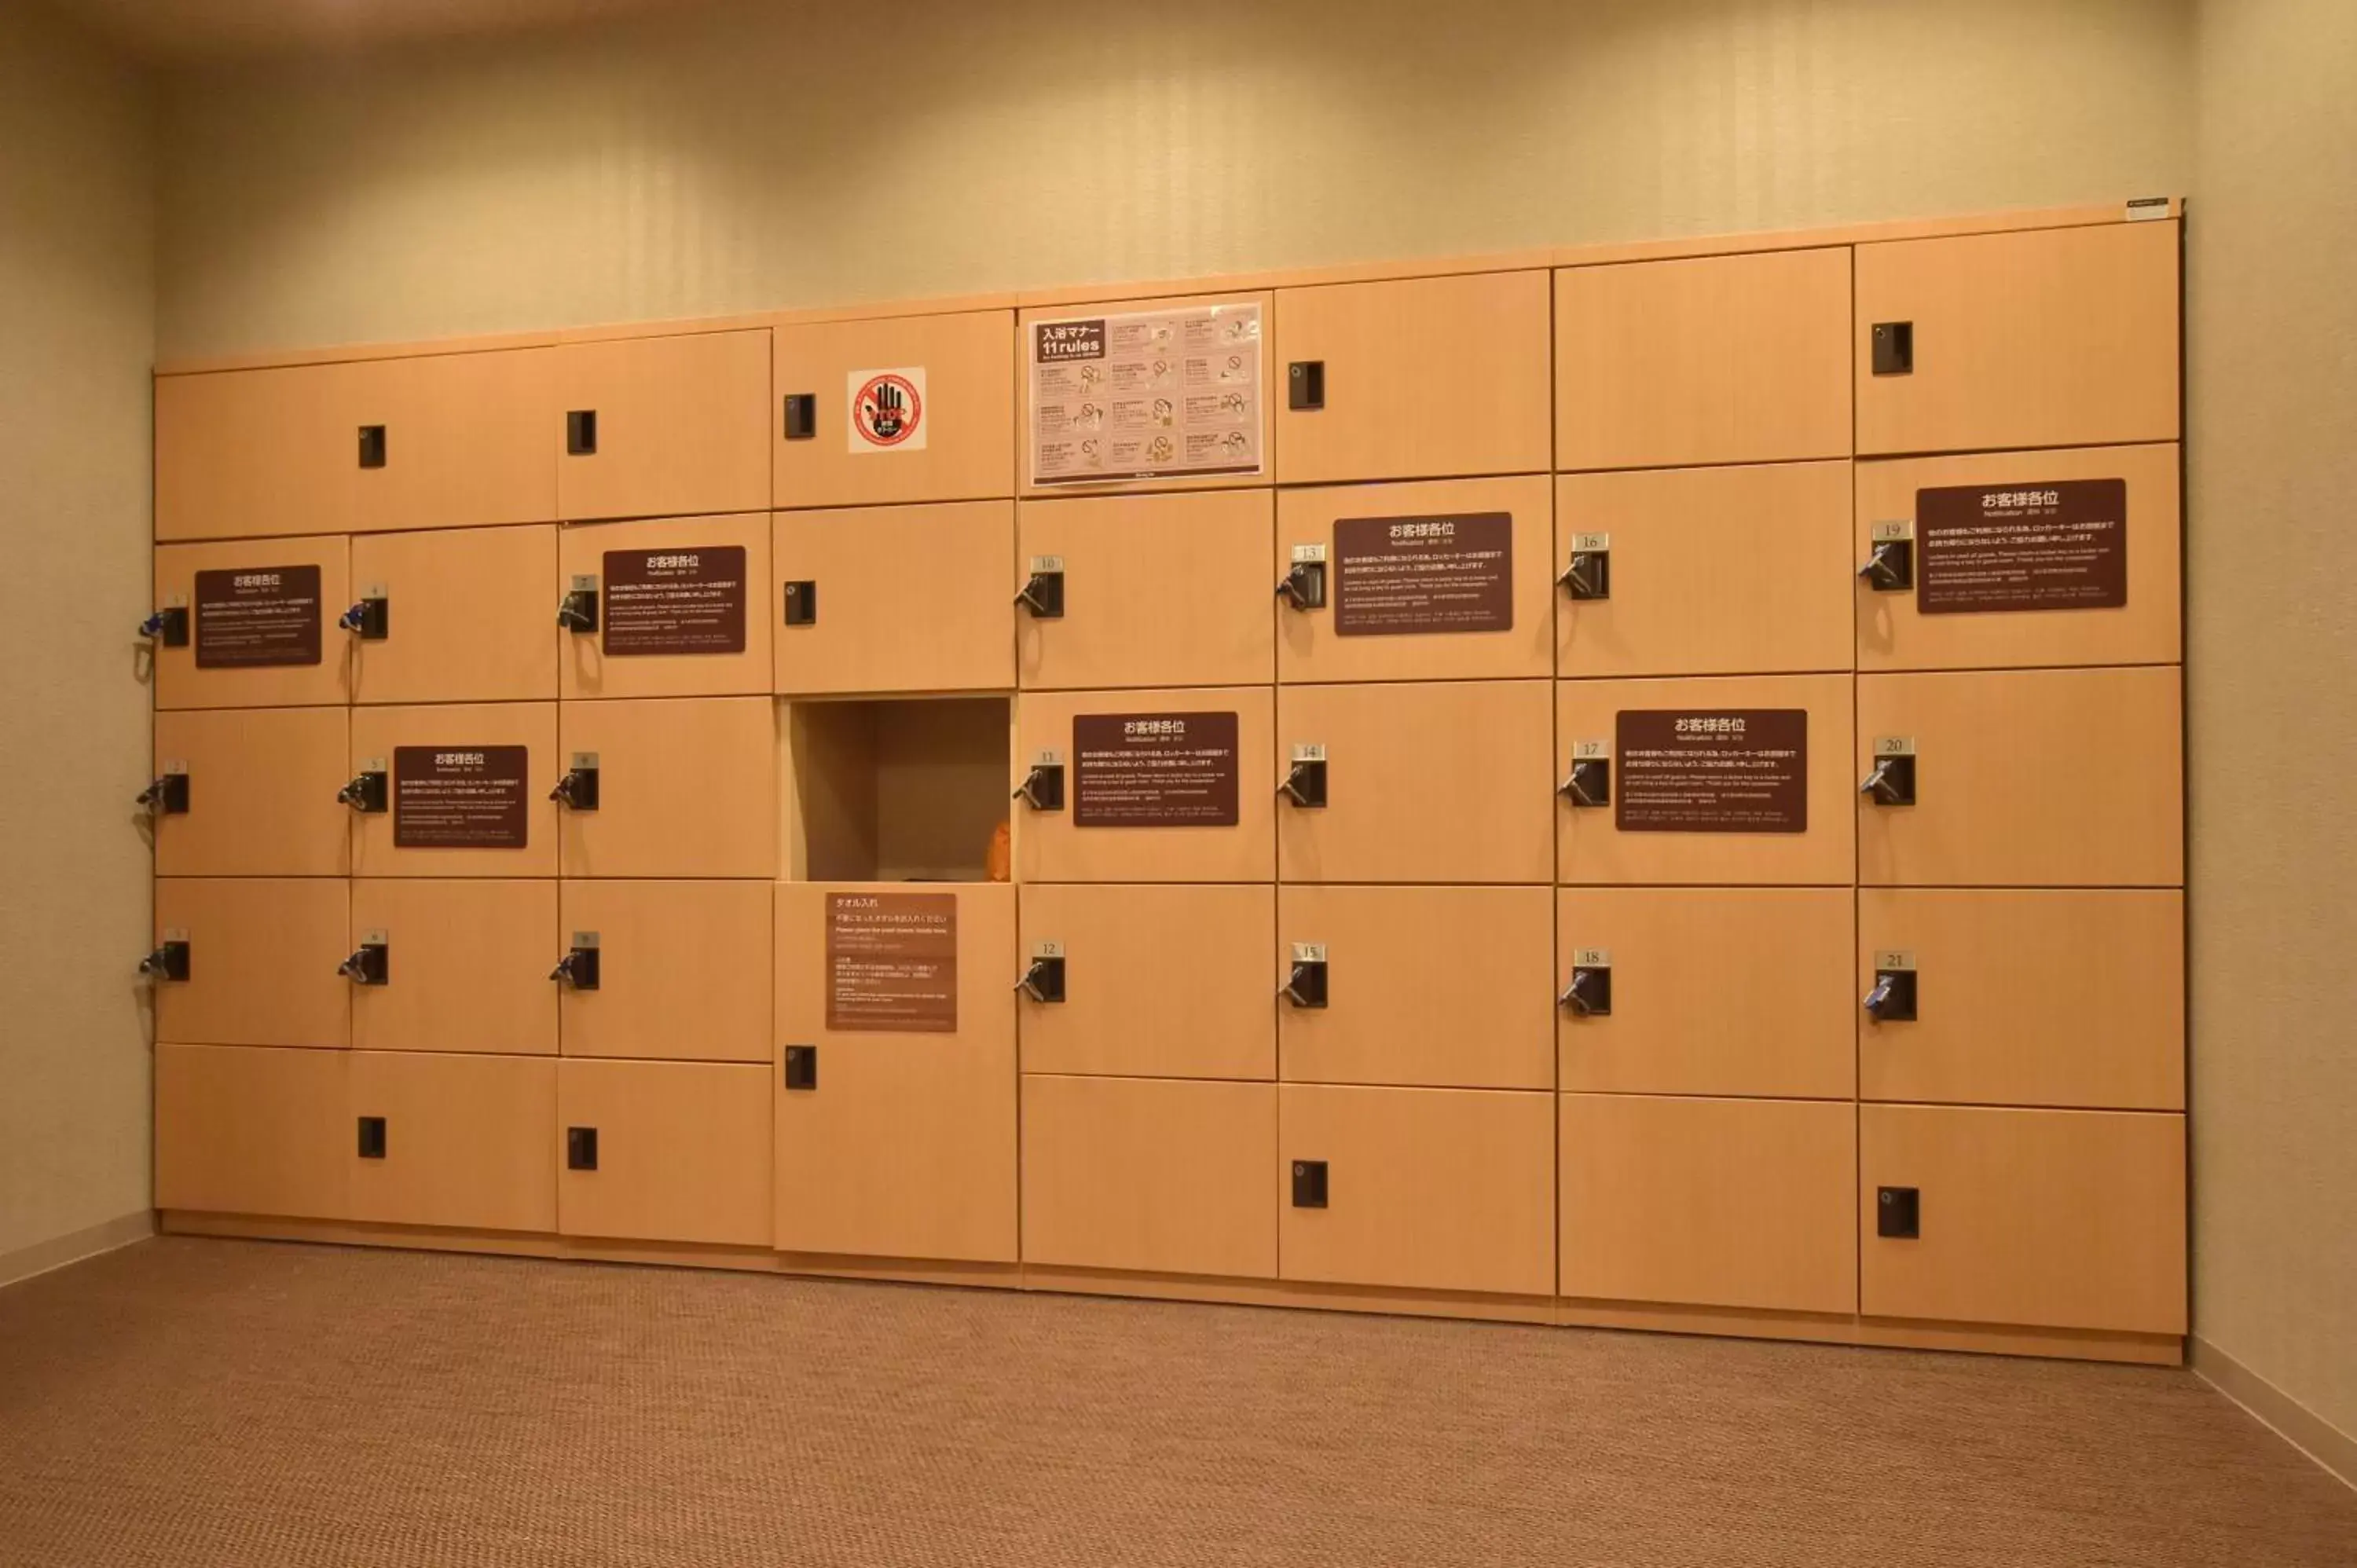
183,32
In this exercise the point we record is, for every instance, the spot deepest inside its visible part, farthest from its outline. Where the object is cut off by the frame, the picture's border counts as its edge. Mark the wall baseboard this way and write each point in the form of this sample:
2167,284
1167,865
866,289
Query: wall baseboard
2321,1441
58,1251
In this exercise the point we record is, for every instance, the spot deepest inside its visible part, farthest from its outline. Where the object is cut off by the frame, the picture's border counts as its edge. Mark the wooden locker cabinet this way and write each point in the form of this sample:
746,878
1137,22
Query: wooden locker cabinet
1158,1176
471,615
683,971
1159,982
2041,778
959,368
466,965
907,598
379,735
261,792
469,1142
682,426
1425,378
2044,1218
2051,997
466,439
682,1152
1433,987
687,788
2039,338
180,681
590,663
256,454
263,953
247,1130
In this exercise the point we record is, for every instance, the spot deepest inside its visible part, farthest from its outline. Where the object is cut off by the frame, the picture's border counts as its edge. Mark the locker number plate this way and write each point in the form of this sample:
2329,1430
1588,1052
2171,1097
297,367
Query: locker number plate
585,938
1590,750
1047,949
1590,544
1896,531
1591,958
1894,746
1309,952
1894,958
1311,751
1308,552
175,933
1047,562
1047,760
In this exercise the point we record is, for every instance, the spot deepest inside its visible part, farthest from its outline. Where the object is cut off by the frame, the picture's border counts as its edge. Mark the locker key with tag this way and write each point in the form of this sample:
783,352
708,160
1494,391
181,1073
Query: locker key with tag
170,960
1304,781
1044,980
1589,994
1589,783
1042,596
1042,789
1304,586
366,792
370,963
370,619
1892,999
1892,782
167,626
1890,565
577,612
1589,575
165,796
1305,985
580,965
577,790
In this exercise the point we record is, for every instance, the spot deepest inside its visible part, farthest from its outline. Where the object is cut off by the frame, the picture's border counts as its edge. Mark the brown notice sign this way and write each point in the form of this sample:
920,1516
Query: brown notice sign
461,797
1394,575
675,601
892,962
2060,545
257,615
1736,770
1154,770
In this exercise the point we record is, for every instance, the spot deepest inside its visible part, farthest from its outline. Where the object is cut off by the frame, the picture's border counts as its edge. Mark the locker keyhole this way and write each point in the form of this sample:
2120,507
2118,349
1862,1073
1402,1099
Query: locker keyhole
371,445
1894,347
1899,1213
581,433
581,1148
372,1137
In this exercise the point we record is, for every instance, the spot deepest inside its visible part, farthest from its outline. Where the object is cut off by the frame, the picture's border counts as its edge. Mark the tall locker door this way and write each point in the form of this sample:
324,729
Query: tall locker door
261,617
1163,786
663,1152
2041,778
1740,1203
1706,359
662,426
262,787
2047,1218
262,961
683,970
466,965
1160,1175
901,598
1147,981
683,608
467,1142
1440,782
915,408
1430,582
242,1130
685,789
1416,378
459,440
2049,338
1418,1189
465,789
896,1080
255,453
469,614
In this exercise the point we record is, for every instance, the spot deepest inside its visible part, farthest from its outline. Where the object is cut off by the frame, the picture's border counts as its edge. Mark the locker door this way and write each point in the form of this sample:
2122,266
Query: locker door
2026,998
1741,990
1158,981
946,387
1422,378
253,454
1706,359
2049,338
904,598
1143,801
1704,570
683,607
240,1129
1157,591
1439,986
1768,804
1444,782
679,425
1426,1188
467,1142
2046,1218
1431,582
682,971
466,963
1156,1174
465,439
466,788
262,961
663,1152
469,616
686,789
903,1143
1742,1203
261,792
2043,778
262,629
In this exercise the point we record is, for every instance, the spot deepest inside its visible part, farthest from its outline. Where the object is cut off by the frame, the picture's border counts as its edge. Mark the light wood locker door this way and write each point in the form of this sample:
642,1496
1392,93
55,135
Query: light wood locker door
263,953
1159,982
1446,581
686,789
256,454
1157,591
261,792
683,607
466,788
1144,803
465,439
2043,1218
1159,1175
1785,816
902,598
683,971
1706,360
2045,338
467,1142
681,426
471,615
2027,560
1424,1189
1734,991
1424,377
2058,998
663,1152
1441,987
1440,782
903,1145
1706,571
261,624
466,965
1731,1203
2041,778
914,408
243,1130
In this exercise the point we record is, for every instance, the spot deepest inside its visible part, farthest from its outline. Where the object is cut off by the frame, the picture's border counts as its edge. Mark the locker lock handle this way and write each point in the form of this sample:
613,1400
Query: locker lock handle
577,790
165,796
1892,782
168,627
1892,999
581,1148
1890,567
1043,981
802,416
1589,783
577,969
577,612
370,964
369,619
1589,994
1305,783
1305,985
169,961
1305,385
1894,347
1043,788
801,1068
801,601
1043,596
366,793
581,433
1589,575
1304,586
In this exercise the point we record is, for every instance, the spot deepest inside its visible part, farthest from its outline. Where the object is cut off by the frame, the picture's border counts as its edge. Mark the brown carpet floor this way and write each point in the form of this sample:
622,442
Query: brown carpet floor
191,1403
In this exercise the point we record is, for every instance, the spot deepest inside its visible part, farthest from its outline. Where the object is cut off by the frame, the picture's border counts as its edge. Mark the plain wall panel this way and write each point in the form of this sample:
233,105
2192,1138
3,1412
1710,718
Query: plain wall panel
261,792
263,953
255,453
245,1130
